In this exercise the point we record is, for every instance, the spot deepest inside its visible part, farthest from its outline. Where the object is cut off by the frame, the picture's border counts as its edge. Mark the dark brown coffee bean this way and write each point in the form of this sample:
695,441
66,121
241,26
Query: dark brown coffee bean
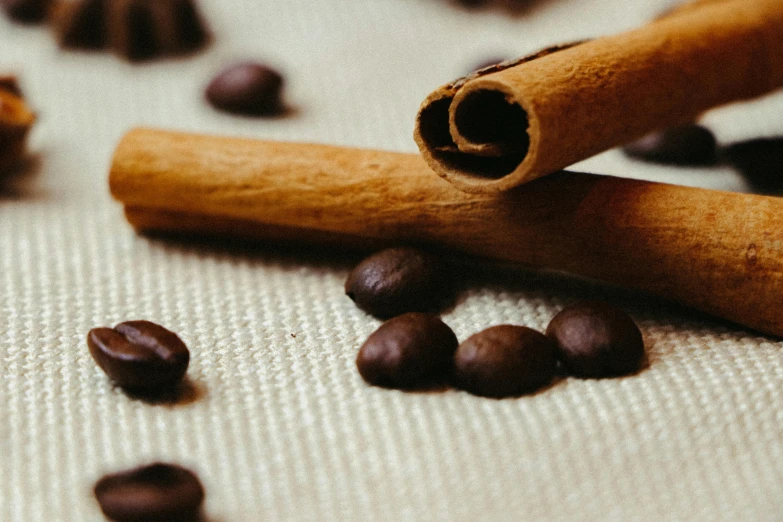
504,361
139,355
155,493
144,29
760,161
80,24
26,11
134,29
247,88
408,351
597,340
687,145
399,280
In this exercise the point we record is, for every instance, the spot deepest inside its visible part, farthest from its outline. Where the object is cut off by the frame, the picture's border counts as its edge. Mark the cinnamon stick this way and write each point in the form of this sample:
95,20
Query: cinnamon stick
505,126
719,252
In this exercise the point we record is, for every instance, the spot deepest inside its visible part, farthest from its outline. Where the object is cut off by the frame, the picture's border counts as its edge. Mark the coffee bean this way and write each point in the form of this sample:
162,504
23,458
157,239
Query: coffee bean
597,340
158,492
760,161
80,24
408,351
26,11
247,88
134,29
504,361
399,280
139,355
687,145
143,30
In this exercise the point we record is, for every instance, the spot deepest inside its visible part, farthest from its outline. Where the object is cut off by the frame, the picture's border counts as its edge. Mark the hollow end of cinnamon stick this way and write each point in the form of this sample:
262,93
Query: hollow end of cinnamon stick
479,138
505,126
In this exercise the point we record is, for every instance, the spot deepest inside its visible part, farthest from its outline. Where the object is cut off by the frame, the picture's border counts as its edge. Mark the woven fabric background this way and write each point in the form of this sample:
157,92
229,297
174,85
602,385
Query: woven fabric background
277,422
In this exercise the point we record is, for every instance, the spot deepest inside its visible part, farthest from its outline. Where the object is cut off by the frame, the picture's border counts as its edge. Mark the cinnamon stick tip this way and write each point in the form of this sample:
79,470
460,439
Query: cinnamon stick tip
478,138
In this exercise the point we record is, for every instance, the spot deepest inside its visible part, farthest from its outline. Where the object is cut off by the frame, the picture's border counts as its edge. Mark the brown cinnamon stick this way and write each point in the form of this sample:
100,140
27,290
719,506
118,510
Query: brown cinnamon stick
715,251
500,128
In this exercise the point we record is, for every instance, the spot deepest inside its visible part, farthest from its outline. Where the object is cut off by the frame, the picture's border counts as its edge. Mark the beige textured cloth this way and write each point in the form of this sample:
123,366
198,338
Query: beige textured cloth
279,425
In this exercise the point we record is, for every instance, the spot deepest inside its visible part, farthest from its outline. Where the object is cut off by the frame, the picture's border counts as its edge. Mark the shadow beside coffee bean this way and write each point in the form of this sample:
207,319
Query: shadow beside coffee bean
416,350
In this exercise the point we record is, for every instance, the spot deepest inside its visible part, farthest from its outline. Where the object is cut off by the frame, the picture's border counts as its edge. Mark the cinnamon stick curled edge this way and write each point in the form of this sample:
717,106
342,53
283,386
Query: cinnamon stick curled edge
718,252
506,126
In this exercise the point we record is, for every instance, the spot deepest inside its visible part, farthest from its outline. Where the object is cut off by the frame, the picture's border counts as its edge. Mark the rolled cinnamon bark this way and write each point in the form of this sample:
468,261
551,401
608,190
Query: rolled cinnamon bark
719,252
505,126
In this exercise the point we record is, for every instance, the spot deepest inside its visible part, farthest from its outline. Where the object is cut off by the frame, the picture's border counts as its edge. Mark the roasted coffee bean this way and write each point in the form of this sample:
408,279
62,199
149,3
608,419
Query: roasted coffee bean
399,280
760,161
143,30
26,11
247,88
408,351
139,355
687,145
134,29
158,492
597,340
504,361
80,24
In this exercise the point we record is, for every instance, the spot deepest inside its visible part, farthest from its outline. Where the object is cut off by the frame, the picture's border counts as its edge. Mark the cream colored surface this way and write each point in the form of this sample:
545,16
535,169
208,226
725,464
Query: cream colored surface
282,427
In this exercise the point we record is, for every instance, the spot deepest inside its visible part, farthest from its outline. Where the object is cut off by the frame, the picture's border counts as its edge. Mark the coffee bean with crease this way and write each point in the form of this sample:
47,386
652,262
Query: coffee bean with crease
399,280
689,145
407,351
158,492
597,340
139,355
248,88
504,361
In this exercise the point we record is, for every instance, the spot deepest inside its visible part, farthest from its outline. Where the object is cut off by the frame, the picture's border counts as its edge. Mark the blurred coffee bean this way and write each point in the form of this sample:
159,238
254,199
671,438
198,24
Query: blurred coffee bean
134,29
687,145
248,88
80,24
26,11
760,161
